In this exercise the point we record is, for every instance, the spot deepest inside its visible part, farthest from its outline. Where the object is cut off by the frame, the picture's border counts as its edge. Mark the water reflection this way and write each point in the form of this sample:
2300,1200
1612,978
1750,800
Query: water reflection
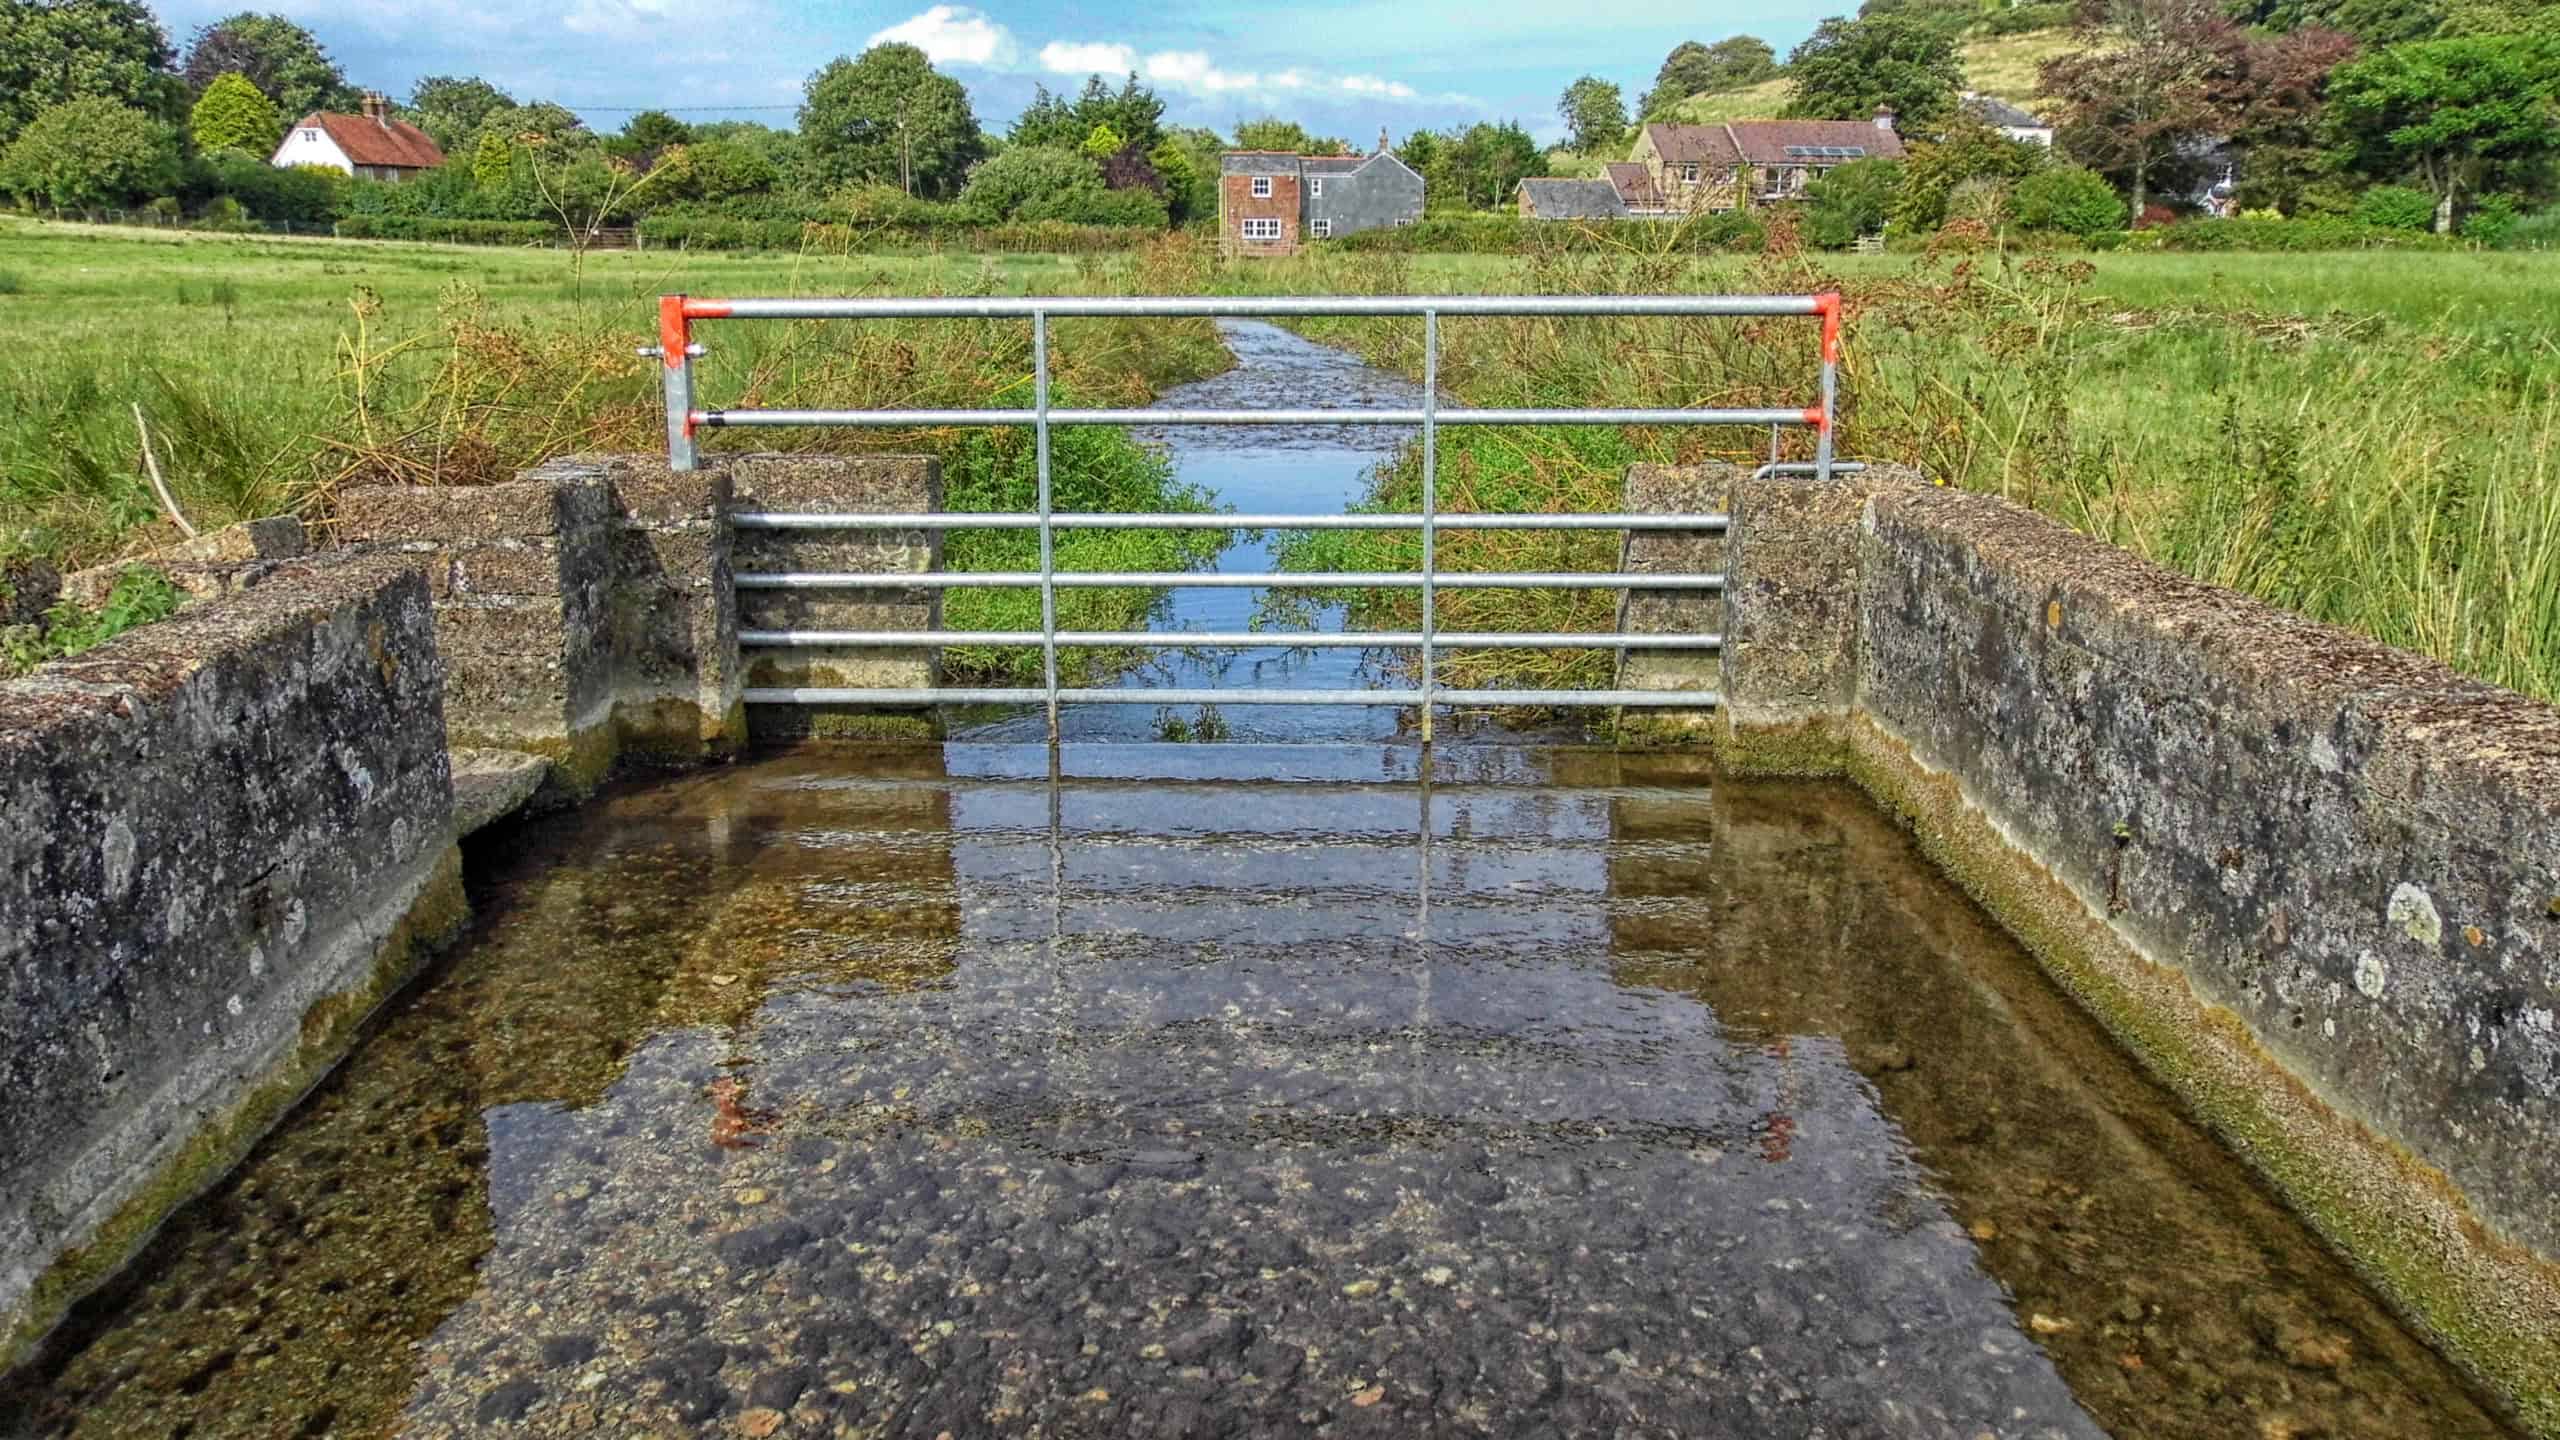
1238,1090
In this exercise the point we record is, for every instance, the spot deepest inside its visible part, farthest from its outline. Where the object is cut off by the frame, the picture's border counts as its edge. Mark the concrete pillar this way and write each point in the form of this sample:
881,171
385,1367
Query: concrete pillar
839,483
1673,490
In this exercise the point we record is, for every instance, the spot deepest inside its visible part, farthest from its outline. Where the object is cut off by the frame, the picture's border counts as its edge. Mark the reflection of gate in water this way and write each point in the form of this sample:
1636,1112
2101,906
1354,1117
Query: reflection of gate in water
676,348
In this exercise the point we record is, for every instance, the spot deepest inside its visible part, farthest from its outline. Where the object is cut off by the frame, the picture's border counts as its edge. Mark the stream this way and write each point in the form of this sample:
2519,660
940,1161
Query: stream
1256,468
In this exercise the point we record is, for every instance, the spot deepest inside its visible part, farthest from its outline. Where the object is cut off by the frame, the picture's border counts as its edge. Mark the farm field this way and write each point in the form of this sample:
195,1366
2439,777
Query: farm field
2368,437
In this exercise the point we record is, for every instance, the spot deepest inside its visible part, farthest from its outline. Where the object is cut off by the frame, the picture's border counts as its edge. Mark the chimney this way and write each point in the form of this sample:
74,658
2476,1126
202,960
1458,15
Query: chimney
377,108
1884,118
1383,146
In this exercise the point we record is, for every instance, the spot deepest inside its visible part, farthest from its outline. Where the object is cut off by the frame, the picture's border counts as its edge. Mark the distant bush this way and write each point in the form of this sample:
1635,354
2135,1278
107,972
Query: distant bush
2320,233
2155,216
2395,207
717,232
2069,198
463,232
2537,231
1511,235
301,195
2491,219
2021,19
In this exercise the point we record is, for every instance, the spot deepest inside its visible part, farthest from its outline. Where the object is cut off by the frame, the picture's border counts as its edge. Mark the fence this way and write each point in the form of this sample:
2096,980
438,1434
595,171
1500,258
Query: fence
676,349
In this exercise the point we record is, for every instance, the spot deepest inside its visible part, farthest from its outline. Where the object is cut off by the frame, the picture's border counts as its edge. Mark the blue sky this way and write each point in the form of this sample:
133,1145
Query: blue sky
1342,68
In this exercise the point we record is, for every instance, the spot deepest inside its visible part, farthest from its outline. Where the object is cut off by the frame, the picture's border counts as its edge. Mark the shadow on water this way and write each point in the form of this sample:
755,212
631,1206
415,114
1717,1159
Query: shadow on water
1319,470
1235,1089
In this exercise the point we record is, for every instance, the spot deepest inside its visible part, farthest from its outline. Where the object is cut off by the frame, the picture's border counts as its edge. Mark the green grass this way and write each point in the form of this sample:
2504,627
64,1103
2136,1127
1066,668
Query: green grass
2366,437
2005,66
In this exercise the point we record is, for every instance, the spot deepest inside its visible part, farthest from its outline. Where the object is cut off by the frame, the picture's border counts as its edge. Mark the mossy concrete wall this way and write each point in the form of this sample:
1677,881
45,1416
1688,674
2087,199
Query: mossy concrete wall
2314,882
223,838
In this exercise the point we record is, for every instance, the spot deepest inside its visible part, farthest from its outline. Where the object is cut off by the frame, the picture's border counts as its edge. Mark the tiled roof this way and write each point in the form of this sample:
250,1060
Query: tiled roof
1693,144
1996,111
1551,199
1634,185
377,142
1784,142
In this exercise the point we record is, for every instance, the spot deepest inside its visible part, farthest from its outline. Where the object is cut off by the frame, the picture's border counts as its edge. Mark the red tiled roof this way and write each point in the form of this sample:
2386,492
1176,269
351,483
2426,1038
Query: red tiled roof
1634,184
1765,142
377,142
1693,144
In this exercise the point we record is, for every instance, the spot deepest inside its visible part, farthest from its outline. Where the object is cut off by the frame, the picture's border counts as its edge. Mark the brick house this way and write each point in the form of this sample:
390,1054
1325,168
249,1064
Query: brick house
1269,200
1742,163
370,146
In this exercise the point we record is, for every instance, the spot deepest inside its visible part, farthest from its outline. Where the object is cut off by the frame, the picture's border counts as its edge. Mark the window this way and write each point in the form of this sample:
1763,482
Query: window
1688,174
1320,229
310,135
1265,229
1315,187
1261,187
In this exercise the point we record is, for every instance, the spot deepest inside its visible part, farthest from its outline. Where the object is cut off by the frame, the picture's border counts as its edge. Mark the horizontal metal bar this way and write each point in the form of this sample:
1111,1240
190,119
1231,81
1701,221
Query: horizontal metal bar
938,419
994,307
1229,639
1032,695
1230,580
946,520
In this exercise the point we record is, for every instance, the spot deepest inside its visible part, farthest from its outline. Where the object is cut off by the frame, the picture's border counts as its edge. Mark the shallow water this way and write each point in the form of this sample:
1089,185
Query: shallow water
1234,1090
1316,470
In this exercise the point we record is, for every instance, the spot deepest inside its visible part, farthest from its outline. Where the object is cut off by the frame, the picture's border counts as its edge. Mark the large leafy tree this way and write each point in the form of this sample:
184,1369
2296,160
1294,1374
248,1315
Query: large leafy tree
2139,96
889,116
286,62
1851,200
651,131
1968,151
234,115
1479,166
1848,69
1695,69
90,151
2273,91
2375,22
452,108
2457,116
1273,133
1594,114
52,51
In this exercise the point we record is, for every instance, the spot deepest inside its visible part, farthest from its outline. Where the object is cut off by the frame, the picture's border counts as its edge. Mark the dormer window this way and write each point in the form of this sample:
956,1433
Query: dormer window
310,135
1261,187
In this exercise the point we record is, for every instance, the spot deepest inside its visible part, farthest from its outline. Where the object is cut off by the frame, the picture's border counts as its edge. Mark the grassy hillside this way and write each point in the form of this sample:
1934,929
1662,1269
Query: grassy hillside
2001,65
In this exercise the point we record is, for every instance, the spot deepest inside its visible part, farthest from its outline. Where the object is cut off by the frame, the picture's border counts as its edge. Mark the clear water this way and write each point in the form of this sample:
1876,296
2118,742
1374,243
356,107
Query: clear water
1276,1090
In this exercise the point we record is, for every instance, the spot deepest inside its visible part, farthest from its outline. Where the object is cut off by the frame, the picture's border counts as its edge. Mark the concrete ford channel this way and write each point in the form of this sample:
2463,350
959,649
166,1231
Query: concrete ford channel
2311,884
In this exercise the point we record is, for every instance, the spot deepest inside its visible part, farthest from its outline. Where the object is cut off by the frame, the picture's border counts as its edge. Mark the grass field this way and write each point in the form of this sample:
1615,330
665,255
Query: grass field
2366,437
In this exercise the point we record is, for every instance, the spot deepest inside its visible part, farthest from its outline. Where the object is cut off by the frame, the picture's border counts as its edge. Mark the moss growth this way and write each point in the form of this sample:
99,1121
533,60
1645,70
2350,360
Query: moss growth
668,733
2492,1307
1805,750
329,1028
822,723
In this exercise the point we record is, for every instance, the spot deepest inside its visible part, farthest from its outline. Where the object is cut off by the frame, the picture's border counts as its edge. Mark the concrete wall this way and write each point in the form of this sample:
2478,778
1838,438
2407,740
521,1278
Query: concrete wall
2312,881
223,838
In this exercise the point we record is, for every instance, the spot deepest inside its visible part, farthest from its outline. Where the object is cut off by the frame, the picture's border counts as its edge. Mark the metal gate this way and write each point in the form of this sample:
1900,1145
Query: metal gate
677,348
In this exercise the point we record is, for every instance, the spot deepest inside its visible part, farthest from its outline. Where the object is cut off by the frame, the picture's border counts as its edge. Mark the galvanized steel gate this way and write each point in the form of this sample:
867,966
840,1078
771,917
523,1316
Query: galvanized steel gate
676,347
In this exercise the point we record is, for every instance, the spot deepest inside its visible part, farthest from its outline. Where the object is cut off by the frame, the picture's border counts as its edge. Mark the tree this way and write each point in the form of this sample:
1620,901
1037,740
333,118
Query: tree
1851,200
1594,114
1695,69
90,151
1128,168
651,131
52,51
2137,100
1849,69
1050,182
1969,150
1133,111
2073,199
716,169
2375,22
1482,165
2457,116
282,59
1101,143
1288,136
453,108
233,115
492,162
889,116
2272,91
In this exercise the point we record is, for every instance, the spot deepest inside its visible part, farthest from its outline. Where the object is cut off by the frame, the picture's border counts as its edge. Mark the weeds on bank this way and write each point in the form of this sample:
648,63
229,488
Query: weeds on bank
139,596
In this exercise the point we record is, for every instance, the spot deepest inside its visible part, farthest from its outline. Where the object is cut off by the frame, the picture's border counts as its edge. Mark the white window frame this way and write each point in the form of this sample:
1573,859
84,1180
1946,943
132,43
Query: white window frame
1261,187
1688,174
1320,229
1315,188
1263,229
310,135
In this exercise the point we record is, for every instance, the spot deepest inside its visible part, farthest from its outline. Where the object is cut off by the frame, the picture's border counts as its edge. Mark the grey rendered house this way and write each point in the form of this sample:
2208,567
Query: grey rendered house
1269,201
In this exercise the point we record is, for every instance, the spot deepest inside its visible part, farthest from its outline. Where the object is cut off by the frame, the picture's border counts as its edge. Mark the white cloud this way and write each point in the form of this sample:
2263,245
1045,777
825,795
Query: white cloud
1069,57
1372,85
1191,71
952,35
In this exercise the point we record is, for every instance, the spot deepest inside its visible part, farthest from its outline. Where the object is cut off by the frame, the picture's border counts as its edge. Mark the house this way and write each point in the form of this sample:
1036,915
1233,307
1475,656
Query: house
370,146
2009,120
1270,200
1553,199
1742,163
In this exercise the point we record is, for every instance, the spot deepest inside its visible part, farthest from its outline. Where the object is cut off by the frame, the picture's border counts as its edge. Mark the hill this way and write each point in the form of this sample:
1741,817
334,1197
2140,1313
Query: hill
1999,65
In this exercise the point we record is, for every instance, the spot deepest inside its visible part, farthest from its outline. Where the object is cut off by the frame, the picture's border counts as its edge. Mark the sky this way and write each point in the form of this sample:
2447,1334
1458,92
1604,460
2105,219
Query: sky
1340,68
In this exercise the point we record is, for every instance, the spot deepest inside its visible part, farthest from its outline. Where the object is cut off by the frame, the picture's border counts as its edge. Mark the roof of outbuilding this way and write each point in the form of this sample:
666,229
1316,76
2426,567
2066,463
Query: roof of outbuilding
1554,199
1997,111
377,142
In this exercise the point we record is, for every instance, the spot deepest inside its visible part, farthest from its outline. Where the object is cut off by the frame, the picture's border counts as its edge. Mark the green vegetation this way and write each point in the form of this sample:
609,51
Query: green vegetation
139,596
233,115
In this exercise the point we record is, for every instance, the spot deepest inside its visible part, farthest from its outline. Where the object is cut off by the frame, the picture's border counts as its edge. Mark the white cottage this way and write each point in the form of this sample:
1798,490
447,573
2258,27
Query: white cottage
370,146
